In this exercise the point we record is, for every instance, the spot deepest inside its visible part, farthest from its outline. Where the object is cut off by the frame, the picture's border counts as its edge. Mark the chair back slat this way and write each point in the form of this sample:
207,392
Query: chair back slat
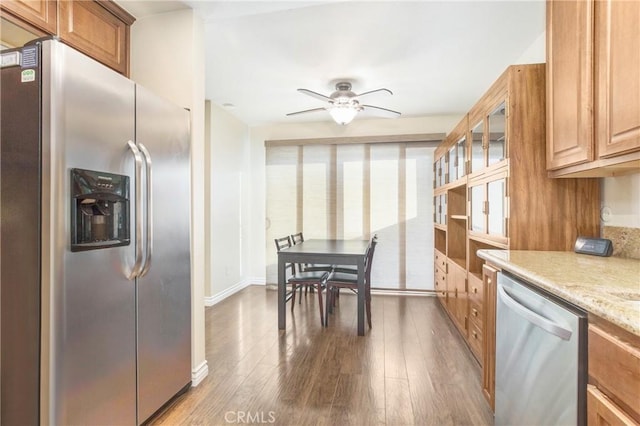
297,238
285,243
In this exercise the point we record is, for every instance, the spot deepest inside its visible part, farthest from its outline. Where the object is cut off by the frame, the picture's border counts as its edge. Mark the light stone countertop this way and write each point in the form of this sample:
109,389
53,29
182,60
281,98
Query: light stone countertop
608,287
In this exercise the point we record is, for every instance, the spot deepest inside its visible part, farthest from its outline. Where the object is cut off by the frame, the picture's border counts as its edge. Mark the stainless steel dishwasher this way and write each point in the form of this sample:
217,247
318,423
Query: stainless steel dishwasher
541,354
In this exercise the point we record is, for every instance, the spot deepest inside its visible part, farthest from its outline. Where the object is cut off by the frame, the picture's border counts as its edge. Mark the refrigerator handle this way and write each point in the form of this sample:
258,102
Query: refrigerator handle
135,271
149,212
533,317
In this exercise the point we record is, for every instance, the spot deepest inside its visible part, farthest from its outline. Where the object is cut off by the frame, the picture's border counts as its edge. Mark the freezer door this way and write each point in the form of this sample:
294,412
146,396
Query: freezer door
20,247
164,291
89,312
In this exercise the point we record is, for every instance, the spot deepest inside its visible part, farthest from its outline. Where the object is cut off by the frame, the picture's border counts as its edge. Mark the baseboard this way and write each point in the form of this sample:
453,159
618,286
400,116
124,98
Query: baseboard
212,300
403,292
385,291
199,373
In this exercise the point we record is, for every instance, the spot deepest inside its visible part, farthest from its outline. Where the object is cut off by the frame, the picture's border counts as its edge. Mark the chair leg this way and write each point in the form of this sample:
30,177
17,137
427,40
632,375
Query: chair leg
320,304
293,296
327,306
300,300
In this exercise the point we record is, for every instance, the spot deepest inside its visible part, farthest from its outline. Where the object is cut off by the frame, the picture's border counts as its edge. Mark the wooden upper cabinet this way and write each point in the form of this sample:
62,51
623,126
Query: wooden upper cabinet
593,88
39,13
98,29
569,83
617,76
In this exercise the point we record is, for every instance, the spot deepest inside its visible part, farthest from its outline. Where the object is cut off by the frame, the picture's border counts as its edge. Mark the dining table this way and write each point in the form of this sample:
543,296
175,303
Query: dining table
326,252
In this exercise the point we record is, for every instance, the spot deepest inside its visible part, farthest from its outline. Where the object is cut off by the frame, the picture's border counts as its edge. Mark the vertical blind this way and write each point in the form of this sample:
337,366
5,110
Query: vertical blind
353,191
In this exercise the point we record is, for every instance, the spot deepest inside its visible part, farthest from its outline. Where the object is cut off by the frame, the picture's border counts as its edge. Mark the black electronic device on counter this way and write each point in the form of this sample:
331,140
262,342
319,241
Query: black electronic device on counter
594,246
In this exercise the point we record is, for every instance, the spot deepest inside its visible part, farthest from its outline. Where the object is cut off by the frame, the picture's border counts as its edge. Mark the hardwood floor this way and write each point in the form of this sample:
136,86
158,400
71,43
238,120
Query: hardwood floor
411,368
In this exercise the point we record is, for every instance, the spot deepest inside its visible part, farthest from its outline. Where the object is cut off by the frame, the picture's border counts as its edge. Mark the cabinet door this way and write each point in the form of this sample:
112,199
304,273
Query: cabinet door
477,147
92,29
617,115
497,135
570,137
477,208
453,163
496,207
457,291
601,411
489,278
461,156
39,13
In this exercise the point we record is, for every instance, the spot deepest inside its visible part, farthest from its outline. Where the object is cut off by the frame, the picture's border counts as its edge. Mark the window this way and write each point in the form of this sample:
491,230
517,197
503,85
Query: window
352,191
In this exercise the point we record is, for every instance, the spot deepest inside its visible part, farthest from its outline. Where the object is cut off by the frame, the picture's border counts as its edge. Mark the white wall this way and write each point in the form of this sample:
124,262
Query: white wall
167,57
622,198
377,127
228,214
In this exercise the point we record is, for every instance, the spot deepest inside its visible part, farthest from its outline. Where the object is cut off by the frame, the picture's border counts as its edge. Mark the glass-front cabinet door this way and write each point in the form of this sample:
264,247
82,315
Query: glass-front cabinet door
439,172
497,145
477,147
461,150
476,204
496,207
440,209
488,207
453,164
457,160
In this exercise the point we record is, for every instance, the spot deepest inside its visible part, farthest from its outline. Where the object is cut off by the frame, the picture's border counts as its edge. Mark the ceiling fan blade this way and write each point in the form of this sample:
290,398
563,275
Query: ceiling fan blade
383,111
374,91
314,94
305,111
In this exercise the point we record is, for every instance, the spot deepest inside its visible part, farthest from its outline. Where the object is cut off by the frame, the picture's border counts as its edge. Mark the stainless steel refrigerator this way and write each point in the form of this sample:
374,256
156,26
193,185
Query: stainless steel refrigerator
95,250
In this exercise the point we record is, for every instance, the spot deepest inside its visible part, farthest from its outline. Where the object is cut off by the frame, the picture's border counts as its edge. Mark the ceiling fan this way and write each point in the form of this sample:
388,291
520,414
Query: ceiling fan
345,104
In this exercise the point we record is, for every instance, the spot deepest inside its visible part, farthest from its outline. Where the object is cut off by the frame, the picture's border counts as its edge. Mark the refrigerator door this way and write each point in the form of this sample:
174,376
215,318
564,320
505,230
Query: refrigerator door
164,290
20,246
89,315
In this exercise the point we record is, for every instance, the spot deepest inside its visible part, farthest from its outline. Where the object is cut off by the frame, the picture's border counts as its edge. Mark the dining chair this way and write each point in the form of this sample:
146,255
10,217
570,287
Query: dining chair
304,279
338,280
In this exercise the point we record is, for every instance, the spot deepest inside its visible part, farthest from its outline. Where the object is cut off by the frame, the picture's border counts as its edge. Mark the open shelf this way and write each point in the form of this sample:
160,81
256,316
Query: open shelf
459,261
475,262
457,201
440,237
457,240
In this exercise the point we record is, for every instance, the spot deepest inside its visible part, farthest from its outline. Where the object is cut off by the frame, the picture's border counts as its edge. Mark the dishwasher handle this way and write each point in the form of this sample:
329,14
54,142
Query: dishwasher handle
533,317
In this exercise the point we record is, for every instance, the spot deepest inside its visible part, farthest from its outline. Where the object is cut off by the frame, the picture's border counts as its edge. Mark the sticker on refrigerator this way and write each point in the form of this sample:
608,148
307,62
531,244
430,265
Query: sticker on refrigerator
27,76
29,57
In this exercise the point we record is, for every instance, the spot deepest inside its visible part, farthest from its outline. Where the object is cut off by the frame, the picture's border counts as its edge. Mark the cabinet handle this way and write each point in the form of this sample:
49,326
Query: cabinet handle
475,290
475,334
488,280
474,312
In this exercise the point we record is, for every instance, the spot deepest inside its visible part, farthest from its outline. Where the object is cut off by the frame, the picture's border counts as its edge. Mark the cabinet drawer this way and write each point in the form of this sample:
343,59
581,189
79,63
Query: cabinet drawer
614,365
441,261
475,313
475,340
476,287
440,282
602,411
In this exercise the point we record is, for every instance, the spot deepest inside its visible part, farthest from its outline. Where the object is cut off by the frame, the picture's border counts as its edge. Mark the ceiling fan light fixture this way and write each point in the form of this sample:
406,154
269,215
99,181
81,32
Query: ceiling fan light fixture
343,114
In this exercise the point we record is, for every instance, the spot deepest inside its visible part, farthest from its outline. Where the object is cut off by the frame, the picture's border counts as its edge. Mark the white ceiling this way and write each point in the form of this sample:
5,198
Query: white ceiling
437,57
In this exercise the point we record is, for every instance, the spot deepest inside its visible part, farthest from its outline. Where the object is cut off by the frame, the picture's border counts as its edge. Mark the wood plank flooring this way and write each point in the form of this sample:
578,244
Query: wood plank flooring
411,368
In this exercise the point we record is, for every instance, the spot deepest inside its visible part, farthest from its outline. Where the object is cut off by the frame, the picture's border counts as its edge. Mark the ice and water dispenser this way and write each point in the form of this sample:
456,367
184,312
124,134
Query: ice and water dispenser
99,210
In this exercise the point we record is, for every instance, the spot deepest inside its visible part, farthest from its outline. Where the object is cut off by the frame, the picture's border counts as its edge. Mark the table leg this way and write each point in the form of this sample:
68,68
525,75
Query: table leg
361,297
282,295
